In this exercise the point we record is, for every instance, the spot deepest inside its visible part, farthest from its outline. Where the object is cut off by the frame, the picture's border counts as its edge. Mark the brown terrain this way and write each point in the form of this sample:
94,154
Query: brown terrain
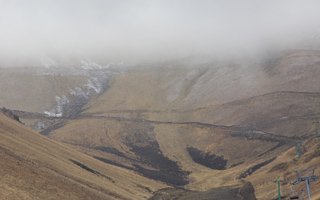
188,131
35,167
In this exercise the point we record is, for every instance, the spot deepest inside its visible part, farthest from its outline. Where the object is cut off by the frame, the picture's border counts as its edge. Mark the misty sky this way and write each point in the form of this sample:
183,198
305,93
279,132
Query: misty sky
136,30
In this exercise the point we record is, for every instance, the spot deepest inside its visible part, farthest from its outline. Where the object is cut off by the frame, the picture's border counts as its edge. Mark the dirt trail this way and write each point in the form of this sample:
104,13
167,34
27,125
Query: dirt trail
234,131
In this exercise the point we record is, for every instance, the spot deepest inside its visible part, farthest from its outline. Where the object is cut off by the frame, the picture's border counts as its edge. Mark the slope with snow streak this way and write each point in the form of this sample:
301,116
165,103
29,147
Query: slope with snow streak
273,103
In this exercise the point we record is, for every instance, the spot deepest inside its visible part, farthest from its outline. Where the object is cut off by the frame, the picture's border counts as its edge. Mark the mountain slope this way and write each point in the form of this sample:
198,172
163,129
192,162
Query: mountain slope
34,167
200,125
215,121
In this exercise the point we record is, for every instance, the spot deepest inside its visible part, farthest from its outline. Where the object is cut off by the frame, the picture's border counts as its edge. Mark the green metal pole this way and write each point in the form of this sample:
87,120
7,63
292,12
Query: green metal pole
279,192
298,150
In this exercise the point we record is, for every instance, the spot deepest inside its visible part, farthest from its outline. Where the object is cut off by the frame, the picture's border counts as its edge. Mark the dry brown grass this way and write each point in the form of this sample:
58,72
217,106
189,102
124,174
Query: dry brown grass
35,167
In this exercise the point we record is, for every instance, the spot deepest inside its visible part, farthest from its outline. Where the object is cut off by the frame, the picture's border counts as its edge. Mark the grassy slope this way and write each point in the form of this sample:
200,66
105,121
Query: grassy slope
34,167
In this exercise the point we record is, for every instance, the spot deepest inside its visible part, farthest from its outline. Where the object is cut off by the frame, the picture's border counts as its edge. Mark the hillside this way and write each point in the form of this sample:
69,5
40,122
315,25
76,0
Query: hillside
212,120
200,126
35,167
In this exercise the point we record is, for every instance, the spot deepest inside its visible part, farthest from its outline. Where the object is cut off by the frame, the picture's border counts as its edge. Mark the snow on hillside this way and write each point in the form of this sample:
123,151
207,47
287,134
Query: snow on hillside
97,81
57,111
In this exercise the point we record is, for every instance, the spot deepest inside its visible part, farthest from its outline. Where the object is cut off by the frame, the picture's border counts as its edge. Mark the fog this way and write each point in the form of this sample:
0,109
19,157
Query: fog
153,30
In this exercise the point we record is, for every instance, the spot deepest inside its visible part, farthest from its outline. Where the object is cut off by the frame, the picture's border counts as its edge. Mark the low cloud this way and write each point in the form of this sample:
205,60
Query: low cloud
126,30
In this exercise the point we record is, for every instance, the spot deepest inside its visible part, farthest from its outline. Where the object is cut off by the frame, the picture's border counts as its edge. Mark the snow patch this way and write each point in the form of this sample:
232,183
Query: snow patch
89,65
58,110
94,84
78,92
